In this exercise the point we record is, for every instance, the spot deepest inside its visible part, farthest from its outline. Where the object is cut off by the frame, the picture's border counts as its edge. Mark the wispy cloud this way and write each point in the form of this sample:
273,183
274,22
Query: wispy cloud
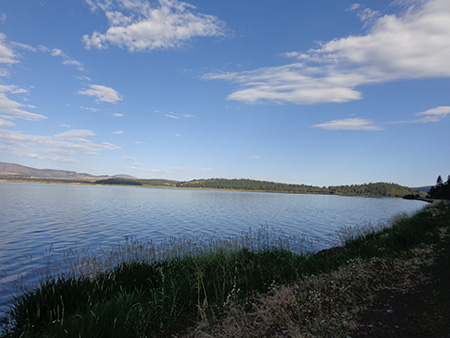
411,45
5,123
7,55
139,26
434,115
14,109
118,132
255,157
367,15
94,110
62,147
75,134
74,63
170,115
23,46
428,116
83,78
102,93
66,59
349,124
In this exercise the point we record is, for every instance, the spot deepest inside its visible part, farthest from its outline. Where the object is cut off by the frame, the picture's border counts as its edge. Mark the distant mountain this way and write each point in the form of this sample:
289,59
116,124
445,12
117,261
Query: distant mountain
11,170
128,177
424,189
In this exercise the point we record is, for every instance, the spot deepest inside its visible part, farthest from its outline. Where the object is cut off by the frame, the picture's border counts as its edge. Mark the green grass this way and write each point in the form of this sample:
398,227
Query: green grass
147,290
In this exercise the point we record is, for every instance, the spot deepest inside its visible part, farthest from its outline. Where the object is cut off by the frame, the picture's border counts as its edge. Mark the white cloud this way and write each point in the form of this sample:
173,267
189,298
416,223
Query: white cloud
61,147
255,157
7,55
138,26
94,110
129,158
117,115
23,46
366,15
118,132
84,78
56,52
349,124
170,115
6,123
14,108
430,116
354,7
435,114
72,62
103,93
67,60
4,72
75,134
414,44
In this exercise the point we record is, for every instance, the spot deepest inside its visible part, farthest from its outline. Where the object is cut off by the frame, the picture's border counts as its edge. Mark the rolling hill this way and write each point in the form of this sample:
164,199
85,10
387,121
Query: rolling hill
11,170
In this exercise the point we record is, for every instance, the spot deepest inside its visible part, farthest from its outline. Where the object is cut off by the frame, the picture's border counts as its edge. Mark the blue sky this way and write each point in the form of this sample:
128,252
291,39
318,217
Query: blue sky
318,92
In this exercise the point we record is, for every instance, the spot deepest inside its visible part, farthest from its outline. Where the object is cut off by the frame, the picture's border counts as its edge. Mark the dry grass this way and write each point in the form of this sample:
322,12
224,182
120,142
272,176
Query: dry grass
325,305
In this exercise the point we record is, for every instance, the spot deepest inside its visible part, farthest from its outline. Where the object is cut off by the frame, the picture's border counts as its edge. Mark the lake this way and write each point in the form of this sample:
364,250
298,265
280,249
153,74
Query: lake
39,221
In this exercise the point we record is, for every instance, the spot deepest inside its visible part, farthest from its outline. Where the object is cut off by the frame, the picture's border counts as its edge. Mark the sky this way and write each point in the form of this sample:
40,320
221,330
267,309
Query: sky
320,92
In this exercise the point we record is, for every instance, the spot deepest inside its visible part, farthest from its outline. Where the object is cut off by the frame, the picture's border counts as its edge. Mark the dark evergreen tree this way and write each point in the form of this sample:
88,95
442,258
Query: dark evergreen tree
440,190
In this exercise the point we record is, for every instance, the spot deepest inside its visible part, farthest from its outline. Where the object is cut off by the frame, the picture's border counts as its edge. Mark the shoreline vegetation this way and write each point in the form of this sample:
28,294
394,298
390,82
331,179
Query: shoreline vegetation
379,189
379,282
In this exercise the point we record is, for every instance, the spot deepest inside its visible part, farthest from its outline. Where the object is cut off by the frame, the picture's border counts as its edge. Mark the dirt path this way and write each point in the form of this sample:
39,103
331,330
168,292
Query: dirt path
421,311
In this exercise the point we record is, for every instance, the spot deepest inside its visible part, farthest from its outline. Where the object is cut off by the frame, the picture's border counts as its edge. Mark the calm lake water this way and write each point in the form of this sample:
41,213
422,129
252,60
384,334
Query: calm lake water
38,220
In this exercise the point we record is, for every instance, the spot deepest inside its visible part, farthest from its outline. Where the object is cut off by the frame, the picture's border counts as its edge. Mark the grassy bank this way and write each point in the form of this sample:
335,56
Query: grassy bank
253,286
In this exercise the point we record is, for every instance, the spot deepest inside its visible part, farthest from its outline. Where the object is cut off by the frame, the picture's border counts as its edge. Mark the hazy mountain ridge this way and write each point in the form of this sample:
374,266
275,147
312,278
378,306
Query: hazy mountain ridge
11,170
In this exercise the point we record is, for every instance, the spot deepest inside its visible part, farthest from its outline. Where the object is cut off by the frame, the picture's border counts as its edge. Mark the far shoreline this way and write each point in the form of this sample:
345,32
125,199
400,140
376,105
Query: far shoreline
70,182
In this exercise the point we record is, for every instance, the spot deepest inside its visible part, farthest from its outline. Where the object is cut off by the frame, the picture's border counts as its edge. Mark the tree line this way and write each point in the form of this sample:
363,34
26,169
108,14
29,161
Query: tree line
441,190
370,189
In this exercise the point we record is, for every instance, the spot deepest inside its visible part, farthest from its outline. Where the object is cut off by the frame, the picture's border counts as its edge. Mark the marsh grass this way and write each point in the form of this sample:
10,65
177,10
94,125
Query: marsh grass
147,289
400,259
172,281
